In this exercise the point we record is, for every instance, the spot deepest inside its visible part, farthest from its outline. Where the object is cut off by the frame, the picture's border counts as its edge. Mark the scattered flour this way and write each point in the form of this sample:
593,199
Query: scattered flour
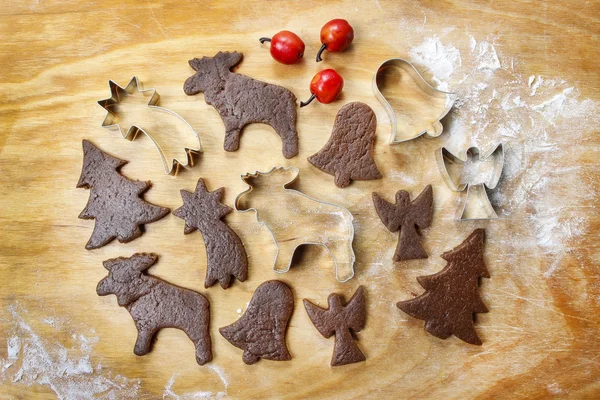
539,119
168,392
441,60
67,371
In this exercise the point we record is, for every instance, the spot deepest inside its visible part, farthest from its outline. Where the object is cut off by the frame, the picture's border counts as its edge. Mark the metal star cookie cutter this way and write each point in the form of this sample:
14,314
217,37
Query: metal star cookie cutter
294,218
475,203
135,85
435,127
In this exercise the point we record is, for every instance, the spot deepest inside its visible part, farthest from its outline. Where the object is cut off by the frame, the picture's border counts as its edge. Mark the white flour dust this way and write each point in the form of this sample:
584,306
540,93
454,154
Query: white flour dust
539,119
168,392
68,370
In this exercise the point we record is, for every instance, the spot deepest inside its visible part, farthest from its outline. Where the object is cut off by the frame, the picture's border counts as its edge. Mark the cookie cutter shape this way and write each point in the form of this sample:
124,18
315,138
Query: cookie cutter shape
435,128
474,171
111,104
294,218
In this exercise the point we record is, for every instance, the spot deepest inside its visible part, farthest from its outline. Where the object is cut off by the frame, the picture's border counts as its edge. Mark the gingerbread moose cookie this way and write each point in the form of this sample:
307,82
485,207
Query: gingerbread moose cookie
155,304
202,210
241,100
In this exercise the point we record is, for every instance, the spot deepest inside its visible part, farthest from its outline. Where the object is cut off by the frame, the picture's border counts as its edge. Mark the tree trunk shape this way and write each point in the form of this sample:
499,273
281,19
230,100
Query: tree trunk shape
345,349
348,155
409,246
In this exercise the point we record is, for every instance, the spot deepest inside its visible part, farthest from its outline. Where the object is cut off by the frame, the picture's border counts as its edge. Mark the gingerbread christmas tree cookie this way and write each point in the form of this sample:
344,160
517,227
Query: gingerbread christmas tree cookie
451,296
115,201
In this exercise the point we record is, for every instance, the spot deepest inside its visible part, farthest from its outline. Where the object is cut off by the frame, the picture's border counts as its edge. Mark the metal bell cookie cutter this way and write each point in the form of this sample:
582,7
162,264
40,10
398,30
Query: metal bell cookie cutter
109,104
435,127
484,173
294,218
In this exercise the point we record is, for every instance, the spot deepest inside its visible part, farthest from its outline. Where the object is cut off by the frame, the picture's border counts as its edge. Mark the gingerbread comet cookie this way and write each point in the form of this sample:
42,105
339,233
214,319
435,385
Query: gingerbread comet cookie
241,100
341,320
348,155
115,201
260,332
203,211
155,304
451,296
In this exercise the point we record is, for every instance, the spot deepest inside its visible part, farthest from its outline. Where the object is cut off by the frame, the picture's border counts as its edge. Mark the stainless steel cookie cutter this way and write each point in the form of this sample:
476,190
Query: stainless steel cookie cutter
294,219
134,85
485,173
435,128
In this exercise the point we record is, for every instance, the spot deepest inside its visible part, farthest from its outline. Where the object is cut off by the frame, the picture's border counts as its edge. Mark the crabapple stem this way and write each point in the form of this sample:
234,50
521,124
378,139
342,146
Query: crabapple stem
321,50
307,102
264,39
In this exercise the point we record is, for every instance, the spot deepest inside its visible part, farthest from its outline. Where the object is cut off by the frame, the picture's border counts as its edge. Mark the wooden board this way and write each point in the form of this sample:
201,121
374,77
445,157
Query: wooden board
541,336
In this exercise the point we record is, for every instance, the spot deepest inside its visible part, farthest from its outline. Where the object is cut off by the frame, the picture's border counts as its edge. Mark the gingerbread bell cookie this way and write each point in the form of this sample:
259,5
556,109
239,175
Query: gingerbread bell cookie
241,100
155,304
451,296
260,332
341,320
202,210
405,215
348,155
115,201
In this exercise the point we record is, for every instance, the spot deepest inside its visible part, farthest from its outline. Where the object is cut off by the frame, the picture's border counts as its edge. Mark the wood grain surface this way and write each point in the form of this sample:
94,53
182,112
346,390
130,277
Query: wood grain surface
541,337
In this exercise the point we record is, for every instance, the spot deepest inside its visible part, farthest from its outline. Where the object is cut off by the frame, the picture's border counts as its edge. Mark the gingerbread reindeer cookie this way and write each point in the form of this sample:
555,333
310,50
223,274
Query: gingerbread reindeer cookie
155,304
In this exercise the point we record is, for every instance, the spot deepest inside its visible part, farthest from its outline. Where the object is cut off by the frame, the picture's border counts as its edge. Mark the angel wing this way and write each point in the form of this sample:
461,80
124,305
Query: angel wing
386,212
450,168
423,202
321,319
355,311
494,161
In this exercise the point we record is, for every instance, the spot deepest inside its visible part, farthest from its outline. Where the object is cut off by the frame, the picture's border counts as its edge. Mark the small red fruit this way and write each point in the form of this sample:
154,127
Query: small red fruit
326,86
336,35
286,47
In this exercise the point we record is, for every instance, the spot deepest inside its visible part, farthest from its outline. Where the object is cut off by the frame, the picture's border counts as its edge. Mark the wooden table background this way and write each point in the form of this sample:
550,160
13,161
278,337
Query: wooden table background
541,336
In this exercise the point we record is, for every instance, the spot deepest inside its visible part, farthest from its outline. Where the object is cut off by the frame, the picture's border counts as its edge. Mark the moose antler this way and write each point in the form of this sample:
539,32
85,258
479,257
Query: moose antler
227,60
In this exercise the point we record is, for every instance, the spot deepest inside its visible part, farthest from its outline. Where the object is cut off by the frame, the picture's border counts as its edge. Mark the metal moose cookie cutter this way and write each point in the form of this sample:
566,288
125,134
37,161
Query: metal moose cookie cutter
475,204
294,218
134,85
435,127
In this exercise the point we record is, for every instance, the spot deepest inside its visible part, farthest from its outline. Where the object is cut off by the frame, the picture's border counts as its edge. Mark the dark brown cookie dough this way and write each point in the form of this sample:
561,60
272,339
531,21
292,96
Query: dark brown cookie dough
405,216
260,332
348,155
241,100
115,201
155,304
202,210
341,320
451,296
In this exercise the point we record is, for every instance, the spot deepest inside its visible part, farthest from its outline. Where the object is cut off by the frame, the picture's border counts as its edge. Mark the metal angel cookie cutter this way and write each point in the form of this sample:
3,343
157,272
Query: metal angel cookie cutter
475,171
294,219
430,125
149,114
